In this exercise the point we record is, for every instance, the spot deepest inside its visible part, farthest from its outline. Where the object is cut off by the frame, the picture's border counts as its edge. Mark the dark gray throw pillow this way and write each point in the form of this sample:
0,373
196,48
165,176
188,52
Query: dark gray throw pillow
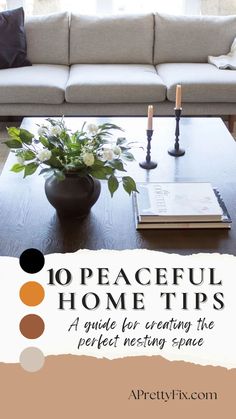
13,48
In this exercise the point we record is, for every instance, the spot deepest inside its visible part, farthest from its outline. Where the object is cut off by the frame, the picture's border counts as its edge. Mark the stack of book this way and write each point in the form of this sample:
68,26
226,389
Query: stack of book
179,205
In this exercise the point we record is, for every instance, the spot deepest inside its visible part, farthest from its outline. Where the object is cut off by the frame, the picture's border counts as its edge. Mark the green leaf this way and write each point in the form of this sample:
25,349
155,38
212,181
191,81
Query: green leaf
129,184
77,136
44,141
108,126
26,136
28,155
113,184
82,128
108,170
98,163
54,162
118,165
56,152
75,148
13,132
54,122
55,142
98,173
120,140
126,155
16,143
30,169
16,168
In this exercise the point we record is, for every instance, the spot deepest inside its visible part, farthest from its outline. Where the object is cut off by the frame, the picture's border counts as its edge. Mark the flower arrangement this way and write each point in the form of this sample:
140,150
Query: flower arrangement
58,151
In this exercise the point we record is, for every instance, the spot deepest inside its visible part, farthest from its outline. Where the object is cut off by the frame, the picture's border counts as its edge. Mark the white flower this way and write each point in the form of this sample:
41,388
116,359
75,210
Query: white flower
108,154
55,130
42,130
20,160
44,155
117,150
88,159
92,129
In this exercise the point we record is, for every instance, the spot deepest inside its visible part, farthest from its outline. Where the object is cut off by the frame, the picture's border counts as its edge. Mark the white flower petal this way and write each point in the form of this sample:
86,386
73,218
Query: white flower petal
108,154
55,131
44,155
88,159
92,129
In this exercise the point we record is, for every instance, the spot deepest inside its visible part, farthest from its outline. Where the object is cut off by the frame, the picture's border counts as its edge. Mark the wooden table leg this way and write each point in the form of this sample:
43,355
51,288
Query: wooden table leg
231,121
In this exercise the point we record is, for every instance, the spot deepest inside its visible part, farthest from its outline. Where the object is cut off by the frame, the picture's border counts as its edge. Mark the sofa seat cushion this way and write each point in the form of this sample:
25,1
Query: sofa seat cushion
37,84
200,82
114,83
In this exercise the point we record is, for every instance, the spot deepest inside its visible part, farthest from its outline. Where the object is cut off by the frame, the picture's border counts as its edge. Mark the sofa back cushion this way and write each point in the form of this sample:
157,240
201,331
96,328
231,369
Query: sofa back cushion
192,38
48,38
111,39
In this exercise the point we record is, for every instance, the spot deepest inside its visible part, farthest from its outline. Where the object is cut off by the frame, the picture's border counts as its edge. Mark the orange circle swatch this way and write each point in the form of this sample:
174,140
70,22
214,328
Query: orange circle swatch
32,293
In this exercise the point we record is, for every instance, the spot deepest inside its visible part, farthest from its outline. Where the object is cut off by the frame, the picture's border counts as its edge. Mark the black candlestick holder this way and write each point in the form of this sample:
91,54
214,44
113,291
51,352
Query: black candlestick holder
148,163
177,151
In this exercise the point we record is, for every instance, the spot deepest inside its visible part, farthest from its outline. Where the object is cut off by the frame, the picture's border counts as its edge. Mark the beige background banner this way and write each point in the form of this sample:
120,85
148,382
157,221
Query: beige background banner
83,387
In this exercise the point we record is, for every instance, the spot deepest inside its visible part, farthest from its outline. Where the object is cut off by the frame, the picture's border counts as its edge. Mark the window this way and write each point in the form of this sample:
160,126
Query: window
189,7
105,6
167,6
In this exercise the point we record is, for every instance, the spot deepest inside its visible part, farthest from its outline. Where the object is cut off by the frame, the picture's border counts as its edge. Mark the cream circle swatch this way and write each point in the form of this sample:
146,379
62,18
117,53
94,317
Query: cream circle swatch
32,359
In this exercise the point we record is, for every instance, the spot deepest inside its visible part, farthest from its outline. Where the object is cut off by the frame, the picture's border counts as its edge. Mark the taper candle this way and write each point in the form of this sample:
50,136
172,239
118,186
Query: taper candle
150,117
178,97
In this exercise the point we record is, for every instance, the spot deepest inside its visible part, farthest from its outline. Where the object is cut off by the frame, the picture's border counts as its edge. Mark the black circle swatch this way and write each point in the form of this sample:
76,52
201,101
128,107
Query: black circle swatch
32,261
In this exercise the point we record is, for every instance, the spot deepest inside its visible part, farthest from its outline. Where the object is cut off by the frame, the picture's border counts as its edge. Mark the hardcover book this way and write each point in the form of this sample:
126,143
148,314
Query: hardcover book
146,224
175,202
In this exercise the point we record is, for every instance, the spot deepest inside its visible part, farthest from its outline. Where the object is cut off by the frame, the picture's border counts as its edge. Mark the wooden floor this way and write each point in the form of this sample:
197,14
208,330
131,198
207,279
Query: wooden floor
4,151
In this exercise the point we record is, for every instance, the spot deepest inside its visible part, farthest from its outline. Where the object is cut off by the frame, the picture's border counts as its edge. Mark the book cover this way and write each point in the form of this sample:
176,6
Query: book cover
146,224
177,201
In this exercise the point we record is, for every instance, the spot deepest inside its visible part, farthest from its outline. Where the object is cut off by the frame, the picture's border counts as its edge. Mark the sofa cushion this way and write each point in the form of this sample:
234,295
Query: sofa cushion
192,38
114,83
37,84
201,82
111,39
13,52
48,38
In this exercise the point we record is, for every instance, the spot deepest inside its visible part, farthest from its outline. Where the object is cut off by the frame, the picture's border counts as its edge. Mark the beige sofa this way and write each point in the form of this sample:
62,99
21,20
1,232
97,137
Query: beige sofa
117,65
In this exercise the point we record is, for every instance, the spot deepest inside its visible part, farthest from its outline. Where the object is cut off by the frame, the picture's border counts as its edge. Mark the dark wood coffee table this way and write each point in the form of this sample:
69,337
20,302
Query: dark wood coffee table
27,219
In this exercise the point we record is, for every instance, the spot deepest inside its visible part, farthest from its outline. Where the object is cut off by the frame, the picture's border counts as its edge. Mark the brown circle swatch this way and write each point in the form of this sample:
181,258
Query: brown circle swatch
32,293
32,326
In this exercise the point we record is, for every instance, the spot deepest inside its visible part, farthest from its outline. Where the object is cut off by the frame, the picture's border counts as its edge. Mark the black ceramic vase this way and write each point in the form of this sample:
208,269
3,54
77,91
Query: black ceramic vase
74,196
